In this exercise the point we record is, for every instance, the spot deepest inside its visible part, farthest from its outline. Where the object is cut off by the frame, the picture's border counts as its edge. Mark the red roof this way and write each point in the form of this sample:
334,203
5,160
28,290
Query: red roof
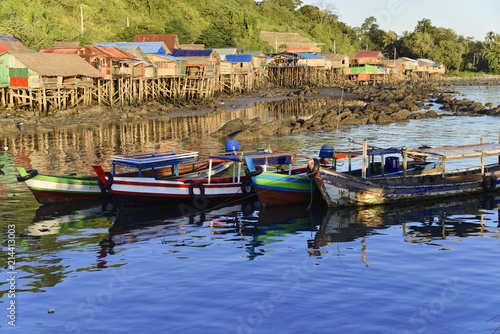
60,50
170,40
369,54
107,52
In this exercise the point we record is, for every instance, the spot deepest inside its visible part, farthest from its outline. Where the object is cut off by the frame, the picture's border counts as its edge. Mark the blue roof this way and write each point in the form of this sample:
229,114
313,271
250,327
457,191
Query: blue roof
8,38
191,53
146,47
309,56
172,57
239,58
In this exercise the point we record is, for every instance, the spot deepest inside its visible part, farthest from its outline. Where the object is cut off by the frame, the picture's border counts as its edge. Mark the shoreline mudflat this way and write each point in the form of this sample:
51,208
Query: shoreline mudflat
349,105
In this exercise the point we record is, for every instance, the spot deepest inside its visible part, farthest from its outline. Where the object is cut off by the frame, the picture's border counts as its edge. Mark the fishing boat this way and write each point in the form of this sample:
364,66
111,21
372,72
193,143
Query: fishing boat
133,192
297,186
349,189
285,185
51,189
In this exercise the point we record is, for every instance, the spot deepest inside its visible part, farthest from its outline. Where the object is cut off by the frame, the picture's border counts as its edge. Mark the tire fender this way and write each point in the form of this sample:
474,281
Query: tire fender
489,184
108,184
258,170
198,185
312,168
31,174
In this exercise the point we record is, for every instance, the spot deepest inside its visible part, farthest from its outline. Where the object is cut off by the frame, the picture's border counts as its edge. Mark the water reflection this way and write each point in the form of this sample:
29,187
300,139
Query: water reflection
427,223
75,148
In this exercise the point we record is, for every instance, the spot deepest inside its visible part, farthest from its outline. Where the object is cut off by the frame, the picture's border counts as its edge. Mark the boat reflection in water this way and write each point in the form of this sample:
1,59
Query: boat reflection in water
431,224
275,224
57,218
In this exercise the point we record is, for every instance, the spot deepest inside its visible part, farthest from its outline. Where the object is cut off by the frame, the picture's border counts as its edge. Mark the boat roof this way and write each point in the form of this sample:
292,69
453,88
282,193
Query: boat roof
260,158
370,151
458,152
159,159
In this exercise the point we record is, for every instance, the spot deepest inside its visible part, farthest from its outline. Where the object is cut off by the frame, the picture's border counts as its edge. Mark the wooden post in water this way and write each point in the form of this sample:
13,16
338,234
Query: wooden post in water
363,166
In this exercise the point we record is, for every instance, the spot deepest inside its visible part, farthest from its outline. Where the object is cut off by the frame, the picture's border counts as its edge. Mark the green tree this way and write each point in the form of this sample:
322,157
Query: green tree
492,55
217,35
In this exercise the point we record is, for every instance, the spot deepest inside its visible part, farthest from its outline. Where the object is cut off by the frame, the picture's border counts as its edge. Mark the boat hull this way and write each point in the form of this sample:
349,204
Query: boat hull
49,189
58,189
274,189
339,189
140,192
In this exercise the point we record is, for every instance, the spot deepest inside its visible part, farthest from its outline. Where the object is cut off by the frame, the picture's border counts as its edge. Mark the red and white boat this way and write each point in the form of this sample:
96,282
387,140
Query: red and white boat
51,189
131,192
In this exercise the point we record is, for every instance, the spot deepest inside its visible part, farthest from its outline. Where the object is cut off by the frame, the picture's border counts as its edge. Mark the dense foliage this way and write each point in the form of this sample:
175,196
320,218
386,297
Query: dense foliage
223,23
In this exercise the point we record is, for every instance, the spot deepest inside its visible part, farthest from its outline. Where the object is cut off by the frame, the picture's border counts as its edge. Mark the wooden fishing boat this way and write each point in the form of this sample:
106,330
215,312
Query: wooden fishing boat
51,189
284,186
346,189
297,186
132,192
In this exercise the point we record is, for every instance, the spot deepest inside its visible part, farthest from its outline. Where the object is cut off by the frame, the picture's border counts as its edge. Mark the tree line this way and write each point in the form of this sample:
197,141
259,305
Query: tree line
231,23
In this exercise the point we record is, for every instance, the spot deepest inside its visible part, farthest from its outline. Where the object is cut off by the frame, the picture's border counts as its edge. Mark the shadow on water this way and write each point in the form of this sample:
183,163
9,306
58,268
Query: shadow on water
101,229
428,223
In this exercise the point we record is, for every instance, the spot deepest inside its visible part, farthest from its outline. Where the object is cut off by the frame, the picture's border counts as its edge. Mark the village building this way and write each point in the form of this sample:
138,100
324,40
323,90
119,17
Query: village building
170,40
409,65
337,60
223,52
368,58
316,50
156,54
43,80
258,58
236,73
310,60
198,62
111,61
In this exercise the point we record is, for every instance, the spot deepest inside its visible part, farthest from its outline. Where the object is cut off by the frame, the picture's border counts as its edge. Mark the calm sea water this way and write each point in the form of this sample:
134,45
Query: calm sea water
88,267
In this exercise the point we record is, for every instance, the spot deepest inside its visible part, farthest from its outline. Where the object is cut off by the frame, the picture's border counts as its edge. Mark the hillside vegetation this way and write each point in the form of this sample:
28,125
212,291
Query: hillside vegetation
224,23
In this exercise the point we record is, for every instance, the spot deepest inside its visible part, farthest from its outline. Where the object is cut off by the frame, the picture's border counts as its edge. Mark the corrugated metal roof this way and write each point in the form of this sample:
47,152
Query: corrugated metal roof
146,47
256,53
430,62
170,40
55,64
226,51
8,38
172,57
309,56
335,56
369,54
110,52
66,45
238,58
60,50
191,53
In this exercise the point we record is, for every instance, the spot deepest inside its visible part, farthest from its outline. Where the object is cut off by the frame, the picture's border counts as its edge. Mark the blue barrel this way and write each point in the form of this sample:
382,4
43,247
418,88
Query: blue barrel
392,164
326,151
232,146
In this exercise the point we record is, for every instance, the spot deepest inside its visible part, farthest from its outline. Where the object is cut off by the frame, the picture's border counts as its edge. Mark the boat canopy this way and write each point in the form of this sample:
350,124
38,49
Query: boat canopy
153,160
261,158
458,152
370,151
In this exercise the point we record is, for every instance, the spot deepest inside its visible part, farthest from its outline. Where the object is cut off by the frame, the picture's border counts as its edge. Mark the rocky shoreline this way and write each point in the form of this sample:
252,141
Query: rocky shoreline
371,105
350,105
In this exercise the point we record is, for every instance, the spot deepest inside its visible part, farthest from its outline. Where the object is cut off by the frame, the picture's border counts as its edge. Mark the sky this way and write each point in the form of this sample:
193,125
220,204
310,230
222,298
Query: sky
465,17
